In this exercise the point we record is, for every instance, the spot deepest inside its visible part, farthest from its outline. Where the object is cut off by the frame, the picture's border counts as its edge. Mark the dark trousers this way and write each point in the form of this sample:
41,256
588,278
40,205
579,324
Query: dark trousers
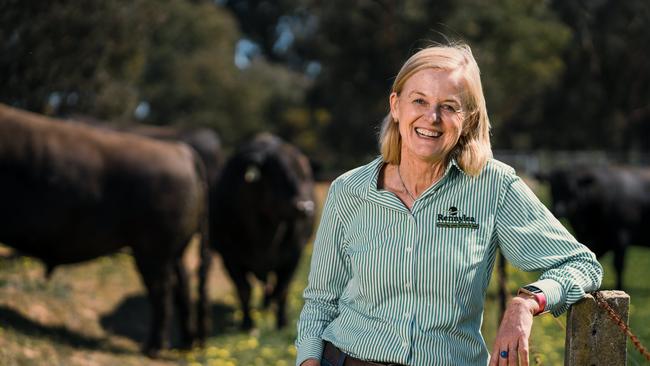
333,356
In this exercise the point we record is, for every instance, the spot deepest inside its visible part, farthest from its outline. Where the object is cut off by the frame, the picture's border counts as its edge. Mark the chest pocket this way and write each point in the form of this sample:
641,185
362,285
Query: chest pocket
452,259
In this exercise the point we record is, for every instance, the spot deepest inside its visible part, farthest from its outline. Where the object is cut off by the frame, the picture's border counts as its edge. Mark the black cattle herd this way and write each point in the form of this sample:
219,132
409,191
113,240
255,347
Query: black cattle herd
71,192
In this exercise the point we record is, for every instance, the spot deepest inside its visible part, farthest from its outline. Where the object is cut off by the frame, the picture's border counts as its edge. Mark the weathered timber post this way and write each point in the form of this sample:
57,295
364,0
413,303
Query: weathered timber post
592,337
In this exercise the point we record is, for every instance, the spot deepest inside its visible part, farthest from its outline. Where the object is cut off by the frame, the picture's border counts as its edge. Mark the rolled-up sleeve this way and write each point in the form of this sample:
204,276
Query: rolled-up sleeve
532,239
328,276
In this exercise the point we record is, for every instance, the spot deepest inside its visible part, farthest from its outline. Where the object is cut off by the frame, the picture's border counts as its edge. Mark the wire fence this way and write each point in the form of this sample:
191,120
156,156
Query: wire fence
621,325
531,162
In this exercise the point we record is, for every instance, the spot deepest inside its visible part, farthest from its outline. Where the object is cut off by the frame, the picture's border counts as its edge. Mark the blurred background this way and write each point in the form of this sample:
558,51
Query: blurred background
565,82
557,75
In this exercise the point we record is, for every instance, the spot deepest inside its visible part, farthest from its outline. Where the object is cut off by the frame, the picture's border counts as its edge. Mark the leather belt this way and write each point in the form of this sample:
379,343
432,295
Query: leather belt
333,355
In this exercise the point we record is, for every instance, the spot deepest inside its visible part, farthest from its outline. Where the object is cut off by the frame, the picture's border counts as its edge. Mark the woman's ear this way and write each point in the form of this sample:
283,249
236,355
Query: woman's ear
394,106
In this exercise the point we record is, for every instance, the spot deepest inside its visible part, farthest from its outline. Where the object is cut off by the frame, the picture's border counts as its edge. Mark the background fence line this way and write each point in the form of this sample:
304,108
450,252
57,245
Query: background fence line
531,162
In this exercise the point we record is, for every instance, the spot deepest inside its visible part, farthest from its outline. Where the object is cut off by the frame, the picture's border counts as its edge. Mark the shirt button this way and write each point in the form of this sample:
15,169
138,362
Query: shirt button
408,285
407,314
405,345
408,249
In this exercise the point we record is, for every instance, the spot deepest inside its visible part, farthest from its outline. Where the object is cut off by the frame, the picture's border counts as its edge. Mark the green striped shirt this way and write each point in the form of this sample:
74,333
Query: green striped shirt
392,285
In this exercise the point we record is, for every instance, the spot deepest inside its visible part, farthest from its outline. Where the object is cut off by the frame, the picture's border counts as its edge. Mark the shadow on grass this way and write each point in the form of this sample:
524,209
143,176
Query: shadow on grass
58,334
222,320
132,317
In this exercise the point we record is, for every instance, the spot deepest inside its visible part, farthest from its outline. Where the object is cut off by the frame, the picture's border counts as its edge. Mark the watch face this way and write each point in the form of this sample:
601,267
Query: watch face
532,289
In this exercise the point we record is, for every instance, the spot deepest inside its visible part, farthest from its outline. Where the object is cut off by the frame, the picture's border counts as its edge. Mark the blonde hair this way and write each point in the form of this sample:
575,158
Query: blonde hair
473,149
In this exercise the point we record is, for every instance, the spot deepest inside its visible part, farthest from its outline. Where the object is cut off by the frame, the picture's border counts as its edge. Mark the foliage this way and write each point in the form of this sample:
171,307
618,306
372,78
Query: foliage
361,49
319,72
266,23
519,46
103,59
556,74
601,101
360,46
64,55
189,77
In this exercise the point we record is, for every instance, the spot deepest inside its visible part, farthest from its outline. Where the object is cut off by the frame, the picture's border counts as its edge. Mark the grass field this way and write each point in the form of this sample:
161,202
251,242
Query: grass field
95,313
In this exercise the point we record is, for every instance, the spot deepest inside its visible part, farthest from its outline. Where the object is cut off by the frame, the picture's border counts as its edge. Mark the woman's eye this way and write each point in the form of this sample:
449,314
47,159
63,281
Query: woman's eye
448,108
420,101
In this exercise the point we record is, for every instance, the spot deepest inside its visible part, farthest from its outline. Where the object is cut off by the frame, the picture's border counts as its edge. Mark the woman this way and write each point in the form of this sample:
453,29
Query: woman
406,243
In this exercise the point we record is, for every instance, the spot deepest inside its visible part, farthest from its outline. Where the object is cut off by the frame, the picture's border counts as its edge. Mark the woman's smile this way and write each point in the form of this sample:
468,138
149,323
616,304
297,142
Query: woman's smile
427,134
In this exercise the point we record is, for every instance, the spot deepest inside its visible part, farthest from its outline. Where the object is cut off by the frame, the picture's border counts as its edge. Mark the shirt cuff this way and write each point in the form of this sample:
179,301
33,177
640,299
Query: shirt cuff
309,348
554,294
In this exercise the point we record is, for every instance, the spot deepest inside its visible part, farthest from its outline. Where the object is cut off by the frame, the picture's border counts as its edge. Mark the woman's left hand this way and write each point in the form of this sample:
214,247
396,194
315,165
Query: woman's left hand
514,331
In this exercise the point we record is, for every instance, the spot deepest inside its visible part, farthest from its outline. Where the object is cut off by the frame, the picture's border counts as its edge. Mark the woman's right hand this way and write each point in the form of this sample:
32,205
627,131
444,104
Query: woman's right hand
311,362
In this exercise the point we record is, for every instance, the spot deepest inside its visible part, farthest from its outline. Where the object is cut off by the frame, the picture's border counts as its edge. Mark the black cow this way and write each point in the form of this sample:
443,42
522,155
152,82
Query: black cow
608,207
205,141
71,193
207,144
262,216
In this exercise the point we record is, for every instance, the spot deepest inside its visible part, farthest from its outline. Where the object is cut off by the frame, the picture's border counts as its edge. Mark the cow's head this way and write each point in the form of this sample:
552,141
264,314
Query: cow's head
283,182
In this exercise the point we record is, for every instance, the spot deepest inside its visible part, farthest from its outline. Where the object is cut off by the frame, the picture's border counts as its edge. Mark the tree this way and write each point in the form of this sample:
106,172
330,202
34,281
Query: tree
519,46
173,59
63,56
361,46
189,77
602,99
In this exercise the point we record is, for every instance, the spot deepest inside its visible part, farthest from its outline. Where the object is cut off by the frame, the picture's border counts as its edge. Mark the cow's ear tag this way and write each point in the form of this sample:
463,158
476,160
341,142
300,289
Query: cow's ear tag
252,174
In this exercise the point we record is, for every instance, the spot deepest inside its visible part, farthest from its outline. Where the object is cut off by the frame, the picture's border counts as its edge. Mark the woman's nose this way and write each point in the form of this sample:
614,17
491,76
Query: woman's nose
432,114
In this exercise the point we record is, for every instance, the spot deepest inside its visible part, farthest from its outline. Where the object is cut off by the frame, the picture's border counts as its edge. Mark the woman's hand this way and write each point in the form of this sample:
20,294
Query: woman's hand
310,362
514,332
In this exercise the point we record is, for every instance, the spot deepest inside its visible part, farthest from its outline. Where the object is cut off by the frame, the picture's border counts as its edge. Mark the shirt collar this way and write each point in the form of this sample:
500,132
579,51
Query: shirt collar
387,198
381,196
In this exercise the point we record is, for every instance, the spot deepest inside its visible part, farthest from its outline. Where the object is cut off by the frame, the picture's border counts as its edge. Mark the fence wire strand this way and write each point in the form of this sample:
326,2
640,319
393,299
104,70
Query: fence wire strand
559,323
621,324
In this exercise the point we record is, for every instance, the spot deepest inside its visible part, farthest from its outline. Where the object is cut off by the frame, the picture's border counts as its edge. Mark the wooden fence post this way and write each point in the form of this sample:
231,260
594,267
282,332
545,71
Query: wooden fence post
592,338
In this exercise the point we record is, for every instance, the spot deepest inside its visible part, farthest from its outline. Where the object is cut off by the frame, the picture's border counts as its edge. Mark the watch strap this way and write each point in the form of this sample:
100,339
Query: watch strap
538,295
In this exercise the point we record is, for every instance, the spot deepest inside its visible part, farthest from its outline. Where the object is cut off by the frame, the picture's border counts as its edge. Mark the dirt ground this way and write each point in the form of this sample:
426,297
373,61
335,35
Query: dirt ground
92,313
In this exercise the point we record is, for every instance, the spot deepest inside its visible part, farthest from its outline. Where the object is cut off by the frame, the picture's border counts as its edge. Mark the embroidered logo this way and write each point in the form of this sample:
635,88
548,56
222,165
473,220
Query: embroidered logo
455,219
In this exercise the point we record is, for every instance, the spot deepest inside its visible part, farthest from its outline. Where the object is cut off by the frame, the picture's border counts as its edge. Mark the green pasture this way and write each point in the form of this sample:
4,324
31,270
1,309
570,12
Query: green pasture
547,339
91,314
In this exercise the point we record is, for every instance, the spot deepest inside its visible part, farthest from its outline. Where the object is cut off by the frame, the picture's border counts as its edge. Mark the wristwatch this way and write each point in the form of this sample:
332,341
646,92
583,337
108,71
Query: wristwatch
538,295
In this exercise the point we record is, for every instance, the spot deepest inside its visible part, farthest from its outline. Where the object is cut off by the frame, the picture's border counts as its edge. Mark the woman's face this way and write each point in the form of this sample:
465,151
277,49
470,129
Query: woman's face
429,113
